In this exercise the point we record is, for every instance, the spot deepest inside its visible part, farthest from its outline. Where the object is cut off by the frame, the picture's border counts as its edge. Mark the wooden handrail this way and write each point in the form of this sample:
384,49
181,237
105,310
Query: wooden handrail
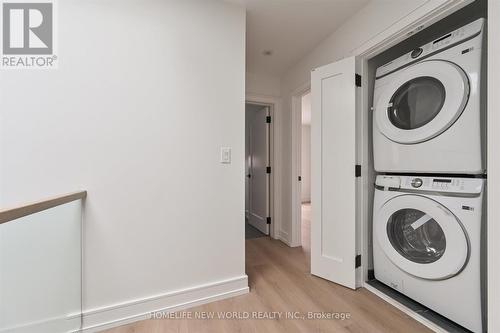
10,214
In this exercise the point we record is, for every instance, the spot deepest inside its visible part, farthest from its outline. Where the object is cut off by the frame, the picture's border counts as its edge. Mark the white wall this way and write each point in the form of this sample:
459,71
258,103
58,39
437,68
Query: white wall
372,19
305,189
145,95
261,84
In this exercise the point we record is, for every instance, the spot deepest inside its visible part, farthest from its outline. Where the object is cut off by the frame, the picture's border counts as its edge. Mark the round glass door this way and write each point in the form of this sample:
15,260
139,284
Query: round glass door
421,102
416,236
421,237
416,103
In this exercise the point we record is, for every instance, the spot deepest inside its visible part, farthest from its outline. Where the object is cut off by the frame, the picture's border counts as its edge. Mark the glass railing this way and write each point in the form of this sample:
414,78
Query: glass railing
41,266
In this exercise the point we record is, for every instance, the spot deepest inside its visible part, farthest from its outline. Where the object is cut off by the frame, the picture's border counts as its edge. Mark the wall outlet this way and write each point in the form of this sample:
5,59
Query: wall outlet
225,155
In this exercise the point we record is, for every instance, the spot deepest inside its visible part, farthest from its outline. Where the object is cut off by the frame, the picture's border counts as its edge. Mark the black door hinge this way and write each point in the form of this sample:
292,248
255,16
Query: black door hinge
358,261
268,169
268,119
300,178
268,220
357,170
358,80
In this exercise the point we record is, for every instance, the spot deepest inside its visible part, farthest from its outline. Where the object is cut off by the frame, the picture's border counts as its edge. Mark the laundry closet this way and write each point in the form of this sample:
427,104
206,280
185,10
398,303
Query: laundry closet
427,240
420,177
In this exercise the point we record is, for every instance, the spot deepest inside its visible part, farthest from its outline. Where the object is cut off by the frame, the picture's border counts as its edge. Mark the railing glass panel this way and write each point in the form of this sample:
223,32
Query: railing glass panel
40,271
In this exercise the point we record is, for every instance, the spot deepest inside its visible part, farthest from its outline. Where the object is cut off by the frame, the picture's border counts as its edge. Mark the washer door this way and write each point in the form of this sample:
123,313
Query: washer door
422,237
423,101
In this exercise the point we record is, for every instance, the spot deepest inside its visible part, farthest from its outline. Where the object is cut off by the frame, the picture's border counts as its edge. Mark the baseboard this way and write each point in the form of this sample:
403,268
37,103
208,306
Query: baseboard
99,319
283,236
64,323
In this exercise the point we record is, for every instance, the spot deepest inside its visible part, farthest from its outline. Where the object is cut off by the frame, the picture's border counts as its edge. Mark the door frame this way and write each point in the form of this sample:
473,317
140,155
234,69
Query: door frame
296,237
273,104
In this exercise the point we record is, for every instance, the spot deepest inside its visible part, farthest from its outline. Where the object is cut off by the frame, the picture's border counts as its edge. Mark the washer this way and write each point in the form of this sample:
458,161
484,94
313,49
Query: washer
427,243
428,115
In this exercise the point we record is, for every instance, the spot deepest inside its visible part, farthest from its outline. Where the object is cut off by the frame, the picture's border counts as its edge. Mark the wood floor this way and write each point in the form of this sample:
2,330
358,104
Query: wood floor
280,281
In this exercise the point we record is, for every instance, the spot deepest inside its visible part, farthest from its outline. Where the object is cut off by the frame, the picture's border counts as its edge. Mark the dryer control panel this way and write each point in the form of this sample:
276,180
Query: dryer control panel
464,33
431,184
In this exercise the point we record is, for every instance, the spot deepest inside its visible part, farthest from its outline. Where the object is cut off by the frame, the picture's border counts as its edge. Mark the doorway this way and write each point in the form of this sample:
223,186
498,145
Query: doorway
305,171
257,170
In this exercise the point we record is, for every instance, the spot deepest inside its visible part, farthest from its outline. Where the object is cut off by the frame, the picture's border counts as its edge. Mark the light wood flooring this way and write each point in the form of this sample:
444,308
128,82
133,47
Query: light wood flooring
280,281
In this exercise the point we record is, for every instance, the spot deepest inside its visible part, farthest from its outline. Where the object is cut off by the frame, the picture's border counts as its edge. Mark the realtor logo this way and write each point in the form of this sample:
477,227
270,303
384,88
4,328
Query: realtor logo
28,34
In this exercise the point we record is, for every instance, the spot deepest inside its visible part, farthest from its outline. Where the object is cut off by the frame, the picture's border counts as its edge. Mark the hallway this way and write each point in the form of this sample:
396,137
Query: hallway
280,282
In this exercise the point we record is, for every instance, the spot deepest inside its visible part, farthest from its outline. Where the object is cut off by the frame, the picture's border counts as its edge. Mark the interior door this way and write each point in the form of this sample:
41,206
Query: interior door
333,160
259,178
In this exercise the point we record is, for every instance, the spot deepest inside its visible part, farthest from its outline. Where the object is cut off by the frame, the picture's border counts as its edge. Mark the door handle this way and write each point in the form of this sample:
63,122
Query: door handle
249,176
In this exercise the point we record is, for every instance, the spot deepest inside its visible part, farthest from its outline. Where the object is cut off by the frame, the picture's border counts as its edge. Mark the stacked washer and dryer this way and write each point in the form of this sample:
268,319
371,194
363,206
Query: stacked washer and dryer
429,153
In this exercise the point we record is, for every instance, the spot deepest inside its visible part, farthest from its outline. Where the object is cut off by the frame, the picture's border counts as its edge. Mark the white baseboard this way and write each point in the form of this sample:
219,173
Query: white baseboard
63,323
99,319
283,236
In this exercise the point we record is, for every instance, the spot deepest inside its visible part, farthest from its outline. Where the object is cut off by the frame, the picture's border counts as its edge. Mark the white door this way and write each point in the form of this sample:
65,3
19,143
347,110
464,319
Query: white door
333,160
258,178
422,237
423,101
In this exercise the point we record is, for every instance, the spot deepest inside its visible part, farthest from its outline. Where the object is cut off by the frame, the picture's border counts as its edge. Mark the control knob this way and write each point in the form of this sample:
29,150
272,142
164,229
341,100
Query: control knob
417,52
416,182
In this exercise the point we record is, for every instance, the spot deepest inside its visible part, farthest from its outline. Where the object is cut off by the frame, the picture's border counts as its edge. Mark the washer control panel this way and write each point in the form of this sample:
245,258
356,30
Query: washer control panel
464,33
431,184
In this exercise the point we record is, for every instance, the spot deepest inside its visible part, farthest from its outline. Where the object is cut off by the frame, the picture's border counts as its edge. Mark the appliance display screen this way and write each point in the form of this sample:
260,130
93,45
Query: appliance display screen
442,180
442,38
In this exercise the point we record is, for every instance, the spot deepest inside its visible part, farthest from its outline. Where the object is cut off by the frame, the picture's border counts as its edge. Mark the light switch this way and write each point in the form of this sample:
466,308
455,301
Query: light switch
225,155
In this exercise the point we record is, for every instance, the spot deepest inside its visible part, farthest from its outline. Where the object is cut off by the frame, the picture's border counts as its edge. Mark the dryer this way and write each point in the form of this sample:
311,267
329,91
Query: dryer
428,115
427,243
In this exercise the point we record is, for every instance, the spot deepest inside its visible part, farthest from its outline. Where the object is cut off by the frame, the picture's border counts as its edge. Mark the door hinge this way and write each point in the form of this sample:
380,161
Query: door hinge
268,169
357,261
268,119
357,170
300,178
358,80
268,220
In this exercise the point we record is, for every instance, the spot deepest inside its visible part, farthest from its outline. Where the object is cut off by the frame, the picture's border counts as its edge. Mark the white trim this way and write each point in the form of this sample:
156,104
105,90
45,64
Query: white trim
405,309
296,162
61,323
283,236
95,320
276,158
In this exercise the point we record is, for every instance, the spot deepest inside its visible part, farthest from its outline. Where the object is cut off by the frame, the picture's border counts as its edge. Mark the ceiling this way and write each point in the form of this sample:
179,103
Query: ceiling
290,29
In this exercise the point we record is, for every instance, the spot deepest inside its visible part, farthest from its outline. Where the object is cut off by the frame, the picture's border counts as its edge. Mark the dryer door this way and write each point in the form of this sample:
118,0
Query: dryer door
423,101
422,237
